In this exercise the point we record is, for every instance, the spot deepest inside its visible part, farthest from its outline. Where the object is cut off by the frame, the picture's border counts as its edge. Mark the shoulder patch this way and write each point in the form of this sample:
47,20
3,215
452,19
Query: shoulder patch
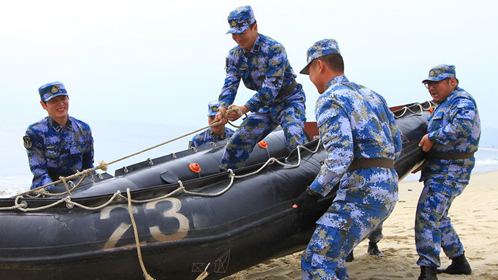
27,142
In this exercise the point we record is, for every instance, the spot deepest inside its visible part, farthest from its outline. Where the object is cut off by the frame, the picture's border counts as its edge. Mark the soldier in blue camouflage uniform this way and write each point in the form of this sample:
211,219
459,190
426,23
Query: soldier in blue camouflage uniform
262,64
362,139
214,133
58,145
452,139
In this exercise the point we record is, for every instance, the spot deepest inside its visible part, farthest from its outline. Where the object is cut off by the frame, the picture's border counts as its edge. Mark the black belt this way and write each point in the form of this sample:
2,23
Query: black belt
449,155
289,89
363,163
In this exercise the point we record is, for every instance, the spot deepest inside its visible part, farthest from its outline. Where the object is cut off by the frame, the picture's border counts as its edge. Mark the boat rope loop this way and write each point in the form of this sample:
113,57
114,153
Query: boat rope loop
268,162
418,112
137,240
81,175
23,205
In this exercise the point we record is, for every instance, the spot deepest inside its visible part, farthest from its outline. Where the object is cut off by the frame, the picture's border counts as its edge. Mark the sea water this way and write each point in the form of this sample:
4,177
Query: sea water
114,140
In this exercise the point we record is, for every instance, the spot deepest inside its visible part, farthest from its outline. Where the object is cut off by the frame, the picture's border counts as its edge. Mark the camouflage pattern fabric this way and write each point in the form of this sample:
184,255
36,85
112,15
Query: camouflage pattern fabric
55,151
240,19
376,234
454,127
324,257
354,122
266,70
289,115
207,137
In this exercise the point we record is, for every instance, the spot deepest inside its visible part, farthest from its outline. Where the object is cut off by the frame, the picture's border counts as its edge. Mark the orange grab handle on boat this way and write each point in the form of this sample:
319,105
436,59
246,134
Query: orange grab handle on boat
195,167
263,144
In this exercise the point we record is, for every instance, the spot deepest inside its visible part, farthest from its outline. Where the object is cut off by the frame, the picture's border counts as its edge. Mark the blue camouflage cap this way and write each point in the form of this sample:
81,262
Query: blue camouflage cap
213,108
51,90
319,49
240,19
441,72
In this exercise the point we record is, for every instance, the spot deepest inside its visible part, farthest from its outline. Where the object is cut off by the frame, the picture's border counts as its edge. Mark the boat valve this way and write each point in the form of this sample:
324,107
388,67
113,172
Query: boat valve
263,144
194,167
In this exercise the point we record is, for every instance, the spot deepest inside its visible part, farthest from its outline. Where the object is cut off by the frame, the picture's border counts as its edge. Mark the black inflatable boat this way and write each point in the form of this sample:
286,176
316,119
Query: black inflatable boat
189,217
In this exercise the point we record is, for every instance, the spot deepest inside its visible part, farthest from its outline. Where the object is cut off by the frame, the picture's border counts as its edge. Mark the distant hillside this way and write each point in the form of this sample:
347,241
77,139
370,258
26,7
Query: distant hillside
489,137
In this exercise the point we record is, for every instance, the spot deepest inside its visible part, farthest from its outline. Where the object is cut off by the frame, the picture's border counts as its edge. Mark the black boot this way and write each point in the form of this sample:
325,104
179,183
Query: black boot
350,257
428,273
459,265
374,250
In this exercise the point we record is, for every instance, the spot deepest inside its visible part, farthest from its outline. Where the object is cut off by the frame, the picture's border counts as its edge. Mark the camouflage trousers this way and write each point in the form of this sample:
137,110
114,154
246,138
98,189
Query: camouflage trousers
324,258
376,234
291,116
433,228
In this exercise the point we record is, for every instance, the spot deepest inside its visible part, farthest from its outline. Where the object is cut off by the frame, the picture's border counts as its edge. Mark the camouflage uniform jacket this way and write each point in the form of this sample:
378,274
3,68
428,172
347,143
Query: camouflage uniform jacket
55,151
208,136
454,127
264,69
355,122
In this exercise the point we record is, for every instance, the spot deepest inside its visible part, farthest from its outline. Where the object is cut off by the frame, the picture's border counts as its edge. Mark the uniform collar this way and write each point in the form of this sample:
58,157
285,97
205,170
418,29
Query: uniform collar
57,127
450,96
255,47
214,135
337,80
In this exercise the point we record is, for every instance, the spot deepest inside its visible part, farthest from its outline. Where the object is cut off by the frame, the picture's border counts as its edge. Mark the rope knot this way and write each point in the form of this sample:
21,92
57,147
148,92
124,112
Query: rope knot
103,165
22,205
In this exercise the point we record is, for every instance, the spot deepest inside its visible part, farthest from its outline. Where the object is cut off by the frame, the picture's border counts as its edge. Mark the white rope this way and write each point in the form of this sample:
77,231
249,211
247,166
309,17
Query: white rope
232,178
273,160
178,190
22,206
418,113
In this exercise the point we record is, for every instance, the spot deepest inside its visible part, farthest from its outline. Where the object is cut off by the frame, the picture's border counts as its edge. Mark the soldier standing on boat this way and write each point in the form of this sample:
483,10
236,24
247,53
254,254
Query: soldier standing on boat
362,140
213,134
452,139
262,64
58,145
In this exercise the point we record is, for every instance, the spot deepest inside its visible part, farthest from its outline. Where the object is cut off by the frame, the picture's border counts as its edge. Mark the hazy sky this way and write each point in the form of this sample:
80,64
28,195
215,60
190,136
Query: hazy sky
163,61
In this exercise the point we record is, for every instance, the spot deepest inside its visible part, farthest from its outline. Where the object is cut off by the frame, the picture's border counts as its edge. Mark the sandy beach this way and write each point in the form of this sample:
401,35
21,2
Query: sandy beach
474,215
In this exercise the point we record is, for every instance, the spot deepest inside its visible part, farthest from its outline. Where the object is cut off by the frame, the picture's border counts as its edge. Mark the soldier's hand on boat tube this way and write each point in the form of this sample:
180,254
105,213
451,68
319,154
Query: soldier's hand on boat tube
306,202
425,143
